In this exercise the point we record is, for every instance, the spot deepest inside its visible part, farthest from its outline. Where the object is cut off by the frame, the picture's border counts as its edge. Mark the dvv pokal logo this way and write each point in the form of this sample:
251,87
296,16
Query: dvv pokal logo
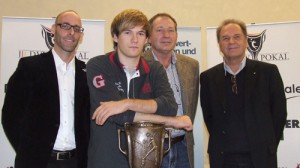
255,43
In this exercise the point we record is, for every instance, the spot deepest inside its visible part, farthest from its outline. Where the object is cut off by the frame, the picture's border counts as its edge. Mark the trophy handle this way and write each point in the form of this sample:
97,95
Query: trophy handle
169,136
119,138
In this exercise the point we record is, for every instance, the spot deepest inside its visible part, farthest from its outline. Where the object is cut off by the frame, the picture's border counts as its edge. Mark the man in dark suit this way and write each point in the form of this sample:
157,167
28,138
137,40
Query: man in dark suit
243,103
183,75
46,108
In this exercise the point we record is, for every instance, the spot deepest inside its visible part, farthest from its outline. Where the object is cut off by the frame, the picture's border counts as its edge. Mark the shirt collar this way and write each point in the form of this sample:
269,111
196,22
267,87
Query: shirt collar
242,65
142,66
60,63
173,57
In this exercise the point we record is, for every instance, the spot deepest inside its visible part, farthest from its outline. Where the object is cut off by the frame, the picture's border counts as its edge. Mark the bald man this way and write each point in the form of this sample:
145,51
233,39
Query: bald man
46,109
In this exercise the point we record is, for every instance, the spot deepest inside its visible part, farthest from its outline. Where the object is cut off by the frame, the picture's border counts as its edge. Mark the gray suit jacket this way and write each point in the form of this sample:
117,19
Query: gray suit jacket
188,73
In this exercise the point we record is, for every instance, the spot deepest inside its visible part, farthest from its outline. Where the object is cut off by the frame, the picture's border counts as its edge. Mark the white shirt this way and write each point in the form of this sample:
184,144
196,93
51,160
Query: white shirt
65,139
129,76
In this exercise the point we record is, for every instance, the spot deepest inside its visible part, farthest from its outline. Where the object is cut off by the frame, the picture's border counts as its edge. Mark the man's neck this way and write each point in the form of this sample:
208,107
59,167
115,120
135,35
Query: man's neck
129,62
234,64
65,56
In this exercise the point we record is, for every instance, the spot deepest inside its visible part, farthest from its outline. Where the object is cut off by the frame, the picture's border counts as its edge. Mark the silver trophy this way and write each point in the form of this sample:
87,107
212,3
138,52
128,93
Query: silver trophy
145,144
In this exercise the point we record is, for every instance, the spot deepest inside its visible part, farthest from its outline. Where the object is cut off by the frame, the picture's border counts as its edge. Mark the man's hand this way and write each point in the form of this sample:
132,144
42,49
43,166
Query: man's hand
107,109
182,122
178,122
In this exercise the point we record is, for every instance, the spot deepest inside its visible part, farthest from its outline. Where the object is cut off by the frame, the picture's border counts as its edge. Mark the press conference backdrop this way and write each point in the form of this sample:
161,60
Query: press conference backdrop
30,36
276,43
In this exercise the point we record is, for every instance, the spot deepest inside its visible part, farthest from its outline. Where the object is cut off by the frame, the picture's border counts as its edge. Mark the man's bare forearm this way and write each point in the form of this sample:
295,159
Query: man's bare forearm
179,122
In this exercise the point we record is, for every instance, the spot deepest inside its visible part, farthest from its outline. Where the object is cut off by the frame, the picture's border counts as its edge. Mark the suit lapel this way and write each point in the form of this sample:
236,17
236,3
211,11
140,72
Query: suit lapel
80,85
49,66
219,83
50,81
49,72
251,78
182,75
80,72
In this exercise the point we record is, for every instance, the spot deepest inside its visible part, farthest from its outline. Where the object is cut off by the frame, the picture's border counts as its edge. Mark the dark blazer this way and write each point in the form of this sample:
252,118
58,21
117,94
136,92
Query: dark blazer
31,113
265,111
188,73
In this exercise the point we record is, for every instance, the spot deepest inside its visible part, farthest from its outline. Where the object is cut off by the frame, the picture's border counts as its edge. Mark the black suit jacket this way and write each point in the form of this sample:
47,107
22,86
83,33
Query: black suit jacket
265,111
31,111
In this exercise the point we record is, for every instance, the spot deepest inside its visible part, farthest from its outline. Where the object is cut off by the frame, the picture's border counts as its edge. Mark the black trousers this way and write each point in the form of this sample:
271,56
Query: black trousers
69,163
237,161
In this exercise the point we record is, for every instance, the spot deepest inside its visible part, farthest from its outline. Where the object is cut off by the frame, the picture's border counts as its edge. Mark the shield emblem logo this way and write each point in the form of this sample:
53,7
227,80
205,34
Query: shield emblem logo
48,37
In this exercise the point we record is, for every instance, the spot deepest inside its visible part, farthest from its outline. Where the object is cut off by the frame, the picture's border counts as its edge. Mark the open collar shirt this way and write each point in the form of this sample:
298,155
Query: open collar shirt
65,139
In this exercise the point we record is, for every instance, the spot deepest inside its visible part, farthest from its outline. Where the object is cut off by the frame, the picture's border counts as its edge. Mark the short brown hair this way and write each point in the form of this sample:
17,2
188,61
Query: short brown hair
162,15
128,19
232,21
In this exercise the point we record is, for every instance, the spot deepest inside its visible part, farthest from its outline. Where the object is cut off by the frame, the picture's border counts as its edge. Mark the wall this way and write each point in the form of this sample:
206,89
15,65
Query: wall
203,13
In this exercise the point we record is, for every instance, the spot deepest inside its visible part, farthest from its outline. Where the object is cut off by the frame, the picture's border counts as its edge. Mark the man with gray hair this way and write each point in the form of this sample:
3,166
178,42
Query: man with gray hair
243,104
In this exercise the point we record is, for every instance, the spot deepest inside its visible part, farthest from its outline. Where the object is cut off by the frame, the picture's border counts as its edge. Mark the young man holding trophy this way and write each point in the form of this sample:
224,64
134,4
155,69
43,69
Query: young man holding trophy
129,89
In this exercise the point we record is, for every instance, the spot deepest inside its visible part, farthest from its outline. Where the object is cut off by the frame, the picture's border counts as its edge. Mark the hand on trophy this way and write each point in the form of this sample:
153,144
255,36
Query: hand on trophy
183,122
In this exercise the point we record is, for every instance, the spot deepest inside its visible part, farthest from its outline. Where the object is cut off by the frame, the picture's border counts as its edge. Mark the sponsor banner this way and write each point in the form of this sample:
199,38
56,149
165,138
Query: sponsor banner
189,43
276,43
31,36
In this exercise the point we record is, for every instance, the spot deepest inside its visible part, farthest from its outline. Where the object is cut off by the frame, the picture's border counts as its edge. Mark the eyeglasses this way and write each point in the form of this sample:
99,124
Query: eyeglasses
234,85
67,26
